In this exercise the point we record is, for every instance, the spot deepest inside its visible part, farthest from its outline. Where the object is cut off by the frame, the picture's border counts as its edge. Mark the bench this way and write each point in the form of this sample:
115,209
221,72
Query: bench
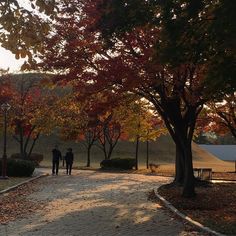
203,173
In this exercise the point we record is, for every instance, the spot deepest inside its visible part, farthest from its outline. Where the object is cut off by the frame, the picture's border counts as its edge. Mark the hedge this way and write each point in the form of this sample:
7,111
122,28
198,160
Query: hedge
118,163
18,168
35,157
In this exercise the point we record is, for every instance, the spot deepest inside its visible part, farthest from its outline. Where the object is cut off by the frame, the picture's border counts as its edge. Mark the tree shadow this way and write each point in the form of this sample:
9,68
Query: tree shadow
90,204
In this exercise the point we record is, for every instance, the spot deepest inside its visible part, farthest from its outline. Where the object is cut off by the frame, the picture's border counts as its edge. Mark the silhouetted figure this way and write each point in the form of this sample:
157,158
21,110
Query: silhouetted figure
69,158
56,157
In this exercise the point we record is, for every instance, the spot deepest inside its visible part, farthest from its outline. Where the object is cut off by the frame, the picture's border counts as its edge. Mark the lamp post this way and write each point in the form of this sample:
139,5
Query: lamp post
5,108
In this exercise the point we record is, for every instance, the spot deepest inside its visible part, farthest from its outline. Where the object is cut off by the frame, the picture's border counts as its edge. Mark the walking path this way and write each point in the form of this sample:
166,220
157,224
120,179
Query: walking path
91,203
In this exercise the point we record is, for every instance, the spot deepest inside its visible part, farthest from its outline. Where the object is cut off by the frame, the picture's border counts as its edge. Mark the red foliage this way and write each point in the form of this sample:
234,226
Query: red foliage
6,91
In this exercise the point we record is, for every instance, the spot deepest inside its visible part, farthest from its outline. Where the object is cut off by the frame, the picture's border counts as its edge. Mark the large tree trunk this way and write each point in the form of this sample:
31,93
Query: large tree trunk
189,180
180,124
179,166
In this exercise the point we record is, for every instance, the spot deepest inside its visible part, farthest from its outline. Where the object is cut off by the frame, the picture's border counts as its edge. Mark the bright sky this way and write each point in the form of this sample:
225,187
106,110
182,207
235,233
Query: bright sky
7,60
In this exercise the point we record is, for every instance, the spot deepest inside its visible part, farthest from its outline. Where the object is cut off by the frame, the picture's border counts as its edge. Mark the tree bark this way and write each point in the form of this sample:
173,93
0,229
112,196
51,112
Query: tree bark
180,124
189,180
147,160
22,153
32,146
27,155
88,156
136,153
179,166
109,152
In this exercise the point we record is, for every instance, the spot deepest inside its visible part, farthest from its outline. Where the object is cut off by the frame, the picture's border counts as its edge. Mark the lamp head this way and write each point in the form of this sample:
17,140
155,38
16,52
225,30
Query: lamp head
5,107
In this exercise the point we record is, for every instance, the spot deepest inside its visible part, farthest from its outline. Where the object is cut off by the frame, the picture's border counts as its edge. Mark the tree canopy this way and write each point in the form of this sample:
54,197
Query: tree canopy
23,25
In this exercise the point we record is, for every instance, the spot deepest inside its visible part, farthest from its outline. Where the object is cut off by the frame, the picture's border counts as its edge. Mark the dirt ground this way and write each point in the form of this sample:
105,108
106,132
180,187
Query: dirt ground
214,205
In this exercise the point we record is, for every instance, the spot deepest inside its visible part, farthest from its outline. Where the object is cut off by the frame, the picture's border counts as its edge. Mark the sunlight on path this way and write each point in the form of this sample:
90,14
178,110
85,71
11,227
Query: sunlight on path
93,203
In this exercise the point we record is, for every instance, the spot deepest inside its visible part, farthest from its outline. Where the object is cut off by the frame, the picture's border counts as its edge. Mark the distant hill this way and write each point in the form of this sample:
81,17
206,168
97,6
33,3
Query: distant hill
161,151
224,152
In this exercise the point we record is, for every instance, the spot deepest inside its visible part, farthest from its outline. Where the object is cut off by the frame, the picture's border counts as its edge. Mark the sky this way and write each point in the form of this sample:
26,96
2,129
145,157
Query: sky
7,60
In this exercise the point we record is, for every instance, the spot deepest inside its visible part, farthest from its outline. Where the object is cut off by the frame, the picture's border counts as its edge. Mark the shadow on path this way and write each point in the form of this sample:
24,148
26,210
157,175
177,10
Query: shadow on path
93,203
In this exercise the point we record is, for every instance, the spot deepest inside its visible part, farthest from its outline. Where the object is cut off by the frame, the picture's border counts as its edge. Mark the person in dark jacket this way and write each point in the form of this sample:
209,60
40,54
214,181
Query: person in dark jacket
56,157
69,158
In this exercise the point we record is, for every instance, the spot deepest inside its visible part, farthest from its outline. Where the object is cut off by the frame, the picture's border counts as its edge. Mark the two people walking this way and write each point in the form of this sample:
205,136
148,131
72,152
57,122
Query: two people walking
56,157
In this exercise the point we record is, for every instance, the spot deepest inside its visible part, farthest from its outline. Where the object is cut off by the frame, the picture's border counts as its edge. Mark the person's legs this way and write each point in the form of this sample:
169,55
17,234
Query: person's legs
53,167
70,168
57,167
67,168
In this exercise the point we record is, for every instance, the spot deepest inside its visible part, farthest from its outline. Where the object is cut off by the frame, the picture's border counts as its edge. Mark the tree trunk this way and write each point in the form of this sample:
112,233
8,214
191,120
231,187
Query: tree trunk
27,155
189,186
147,160
109,152
22,153
32,146
88,156
105,153
136,153
181,128
179,166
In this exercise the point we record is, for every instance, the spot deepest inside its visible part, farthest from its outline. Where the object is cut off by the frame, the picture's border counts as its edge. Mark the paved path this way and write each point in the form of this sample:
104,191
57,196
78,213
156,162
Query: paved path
91,203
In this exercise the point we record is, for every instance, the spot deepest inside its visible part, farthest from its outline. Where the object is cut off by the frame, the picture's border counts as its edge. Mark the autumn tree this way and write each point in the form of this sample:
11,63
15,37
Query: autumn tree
163,56
31,105
180,57
153,128
87,120
89,137
23,25
78,122
219,116
5,87
226,113
109,135
141,124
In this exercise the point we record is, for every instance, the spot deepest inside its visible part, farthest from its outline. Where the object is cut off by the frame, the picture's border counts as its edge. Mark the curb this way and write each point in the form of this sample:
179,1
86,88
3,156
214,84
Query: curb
186,218
22,183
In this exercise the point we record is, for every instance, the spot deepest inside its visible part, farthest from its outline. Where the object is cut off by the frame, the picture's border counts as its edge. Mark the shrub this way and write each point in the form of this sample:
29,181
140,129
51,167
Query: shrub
118,163
19,168
154,167
35,157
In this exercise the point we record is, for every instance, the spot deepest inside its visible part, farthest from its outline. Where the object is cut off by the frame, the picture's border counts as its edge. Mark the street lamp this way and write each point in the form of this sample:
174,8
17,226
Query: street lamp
5,108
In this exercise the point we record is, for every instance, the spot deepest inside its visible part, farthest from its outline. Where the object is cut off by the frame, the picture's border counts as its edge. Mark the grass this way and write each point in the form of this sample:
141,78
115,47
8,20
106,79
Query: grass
6,183
161,152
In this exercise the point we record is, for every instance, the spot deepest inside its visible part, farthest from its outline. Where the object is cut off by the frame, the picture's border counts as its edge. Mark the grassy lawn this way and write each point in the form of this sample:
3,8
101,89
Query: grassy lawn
161,152
214,206
6,183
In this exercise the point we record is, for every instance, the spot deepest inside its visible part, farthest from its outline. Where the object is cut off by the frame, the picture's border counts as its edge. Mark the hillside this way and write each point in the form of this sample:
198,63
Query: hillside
161,151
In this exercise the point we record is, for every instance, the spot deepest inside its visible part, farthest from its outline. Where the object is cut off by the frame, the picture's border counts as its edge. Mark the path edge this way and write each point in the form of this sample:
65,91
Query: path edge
185,217
22,183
